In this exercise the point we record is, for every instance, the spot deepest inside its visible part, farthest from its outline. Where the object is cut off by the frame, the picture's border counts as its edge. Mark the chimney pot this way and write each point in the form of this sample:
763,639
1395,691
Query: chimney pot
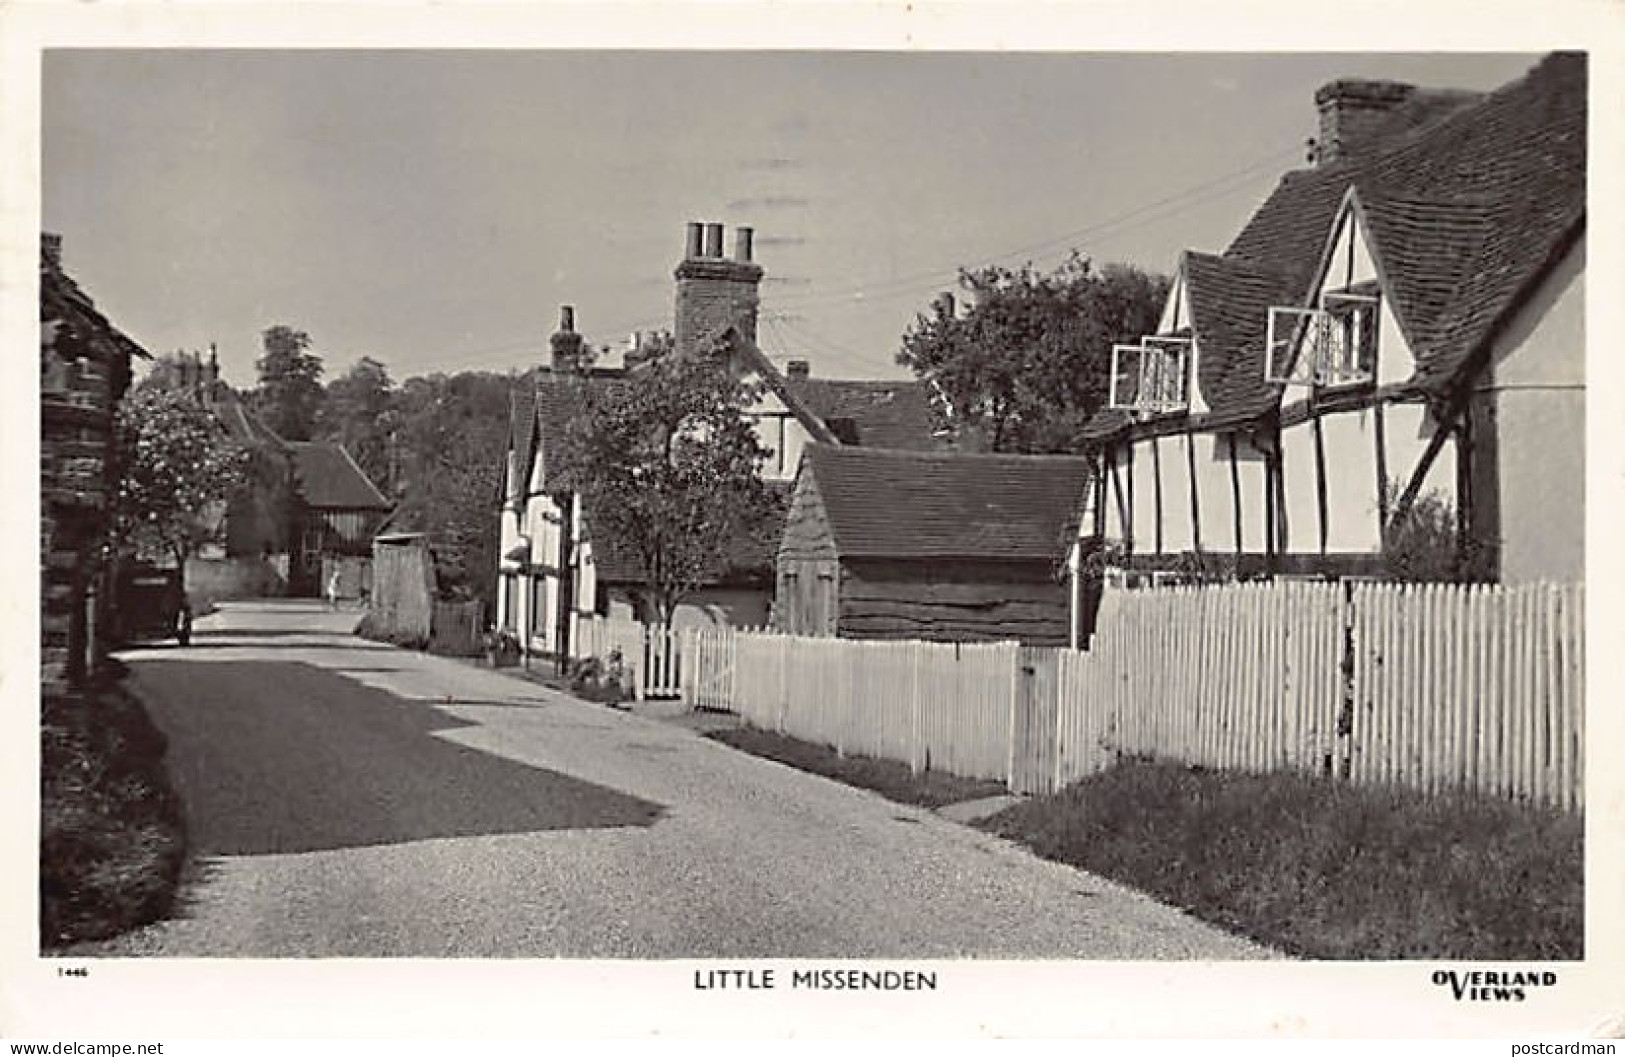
568,348
743,238
798,369
713,240
696,232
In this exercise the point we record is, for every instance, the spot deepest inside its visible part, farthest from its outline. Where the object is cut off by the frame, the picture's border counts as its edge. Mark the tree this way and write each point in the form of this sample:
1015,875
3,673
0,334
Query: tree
178,470
666,464
358,412
289,394
1028,364
451,431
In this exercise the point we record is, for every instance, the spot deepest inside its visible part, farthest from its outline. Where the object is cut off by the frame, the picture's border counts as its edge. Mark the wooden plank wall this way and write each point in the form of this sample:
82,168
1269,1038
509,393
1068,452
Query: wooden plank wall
953,602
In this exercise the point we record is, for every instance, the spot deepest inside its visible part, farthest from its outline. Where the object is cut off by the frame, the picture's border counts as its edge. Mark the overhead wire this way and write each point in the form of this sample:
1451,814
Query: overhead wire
898,286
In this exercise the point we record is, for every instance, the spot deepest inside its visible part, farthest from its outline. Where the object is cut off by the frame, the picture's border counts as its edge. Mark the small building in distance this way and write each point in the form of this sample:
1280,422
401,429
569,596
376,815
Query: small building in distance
940,546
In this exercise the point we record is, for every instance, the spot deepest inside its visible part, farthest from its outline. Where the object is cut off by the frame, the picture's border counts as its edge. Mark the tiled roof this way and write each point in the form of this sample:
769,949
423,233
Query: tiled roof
1467,197
241,424
62,298
880,414
328,478
916,504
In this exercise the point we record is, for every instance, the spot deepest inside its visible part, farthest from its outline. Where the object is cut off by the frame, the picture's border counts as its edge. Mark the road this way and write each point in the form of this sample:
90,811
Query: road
346,798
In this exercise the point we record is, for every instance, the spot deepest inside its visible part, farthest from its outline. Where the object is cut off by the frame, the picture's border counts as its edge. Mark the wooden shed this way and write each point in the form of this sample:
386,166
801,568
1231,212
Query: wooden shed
948,547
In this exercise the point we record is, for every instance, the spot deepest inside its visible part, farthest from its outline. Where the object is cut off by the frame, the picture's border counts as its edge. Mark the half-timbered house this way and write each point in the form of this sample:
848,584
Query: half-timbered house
554,573
1401,323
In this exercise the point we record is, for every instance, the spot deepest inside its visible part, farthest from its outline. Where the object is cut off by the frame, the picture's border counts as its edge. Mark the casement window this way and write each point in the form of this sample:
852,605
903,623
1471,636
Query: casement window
1332,346
510,602
1152,377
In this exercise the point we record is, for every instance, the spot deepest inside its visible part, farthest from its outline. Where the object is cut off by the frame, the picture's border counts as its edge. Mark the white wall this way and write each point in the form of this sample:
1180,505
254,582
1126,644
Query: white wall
1407,429
1217,491
1353,516
1144,524
1178,525
1116,527
1537,387
1301,483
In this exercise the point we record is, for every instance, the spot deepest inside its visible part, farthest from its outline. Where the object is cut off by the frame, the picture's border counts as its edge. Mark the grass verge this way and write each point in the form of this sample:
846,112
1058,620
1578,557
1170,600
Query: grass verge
1322,869
112,840
890,779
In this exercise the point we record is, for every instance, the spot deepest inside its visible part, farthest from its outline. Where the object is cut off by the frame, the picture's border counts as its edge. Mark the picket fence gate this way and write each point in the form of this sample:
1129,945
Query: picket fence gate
650,653
1433,687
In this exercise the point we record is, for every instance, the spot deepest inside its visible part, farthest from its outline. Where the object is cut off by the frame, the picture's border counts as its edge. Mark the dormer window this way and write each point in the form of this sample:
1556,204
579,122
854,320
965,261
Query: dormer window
1152,377
1328,347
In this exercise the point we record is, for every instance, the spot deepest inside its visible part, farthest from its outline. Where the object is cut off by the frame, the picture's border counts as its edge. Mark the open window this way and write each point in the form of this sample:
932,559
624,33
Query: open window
1331,346
1152,377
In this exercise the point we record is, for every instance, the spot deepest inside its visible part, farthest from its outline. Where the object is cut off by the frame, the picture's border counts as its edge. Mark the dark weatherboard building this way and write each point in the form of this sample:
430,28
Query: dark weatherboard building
940,546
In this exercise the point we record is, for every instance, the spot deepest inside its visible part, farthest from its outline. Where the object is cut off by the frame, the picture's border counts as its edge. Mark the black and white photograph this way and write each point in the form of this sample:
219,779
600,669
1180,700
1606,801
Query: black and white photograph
759,532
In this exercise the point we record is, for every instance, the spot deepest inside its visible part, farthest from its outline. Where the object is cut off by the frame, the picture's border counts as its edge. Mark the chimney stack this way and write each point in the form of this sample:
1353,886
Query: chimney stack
715,292
51,247
1351,113
798,369
568,346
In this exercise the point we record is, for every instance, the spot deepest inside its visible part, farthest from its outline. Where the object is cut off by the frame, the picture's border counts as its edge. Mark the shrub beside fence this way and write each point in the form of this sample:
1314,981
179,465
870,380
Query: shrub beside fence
1429,686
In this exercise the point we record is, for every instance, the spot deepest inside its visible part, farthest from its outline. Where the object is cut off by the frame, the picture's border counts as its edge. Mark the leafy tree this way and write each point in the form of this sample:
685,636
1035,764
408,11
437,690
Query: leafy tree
289,395
358,412
667,464
451,432
178,469
1029,363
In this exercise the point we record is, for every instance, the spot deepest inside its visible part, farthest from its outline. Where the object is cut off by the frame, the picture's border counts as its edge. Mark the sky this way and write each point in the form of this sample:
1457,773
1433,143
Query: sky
433,209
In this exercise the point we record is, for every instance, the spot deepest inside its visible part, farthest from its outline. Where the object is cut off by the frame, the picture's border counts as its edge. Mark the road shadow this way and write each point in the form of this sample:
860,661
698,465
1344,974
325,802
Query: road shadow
277,757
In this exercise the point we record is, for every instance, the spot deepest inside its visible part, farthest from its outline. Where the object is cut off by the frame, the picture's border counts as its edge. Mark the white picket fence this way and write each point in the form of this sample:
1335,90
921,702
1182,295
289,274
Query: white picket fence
651,653
1428,686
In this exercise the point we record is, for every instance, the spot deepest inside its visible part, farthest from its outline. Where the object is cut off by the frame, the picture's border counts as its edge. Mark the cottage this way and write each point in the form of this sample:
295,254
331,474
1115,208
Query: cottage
928,545
84,370
311,511
553,573
1403,320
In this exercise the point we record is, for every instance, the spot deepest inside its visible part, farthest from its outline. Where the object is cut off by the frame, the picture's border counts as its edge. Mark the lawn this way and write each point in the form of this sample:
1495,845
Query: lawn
1323,869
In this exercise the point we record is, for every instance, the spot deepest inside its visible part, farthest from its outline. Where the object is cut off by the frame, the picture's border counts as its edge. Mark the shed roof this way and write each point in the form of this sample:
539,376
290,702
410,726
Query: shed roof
911,504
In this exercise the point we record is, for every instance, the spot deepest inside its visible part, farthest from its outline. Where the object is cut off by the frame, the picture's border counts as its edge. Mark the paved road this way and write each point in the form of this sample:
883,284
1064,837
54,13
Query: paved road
350,799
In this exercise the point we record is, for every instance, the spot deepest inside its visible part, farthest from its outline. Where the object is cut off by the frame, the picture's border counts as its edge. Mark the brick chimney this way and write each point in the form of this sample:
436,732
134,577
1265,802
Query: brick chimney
714,291
798,369
1351,112
566,344
51,247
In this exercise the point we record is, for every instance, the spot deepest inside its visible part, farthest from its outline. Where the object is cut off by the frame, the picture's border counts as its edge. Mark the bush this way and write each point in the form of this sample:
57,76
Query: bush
1324,869
112,840
602,679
